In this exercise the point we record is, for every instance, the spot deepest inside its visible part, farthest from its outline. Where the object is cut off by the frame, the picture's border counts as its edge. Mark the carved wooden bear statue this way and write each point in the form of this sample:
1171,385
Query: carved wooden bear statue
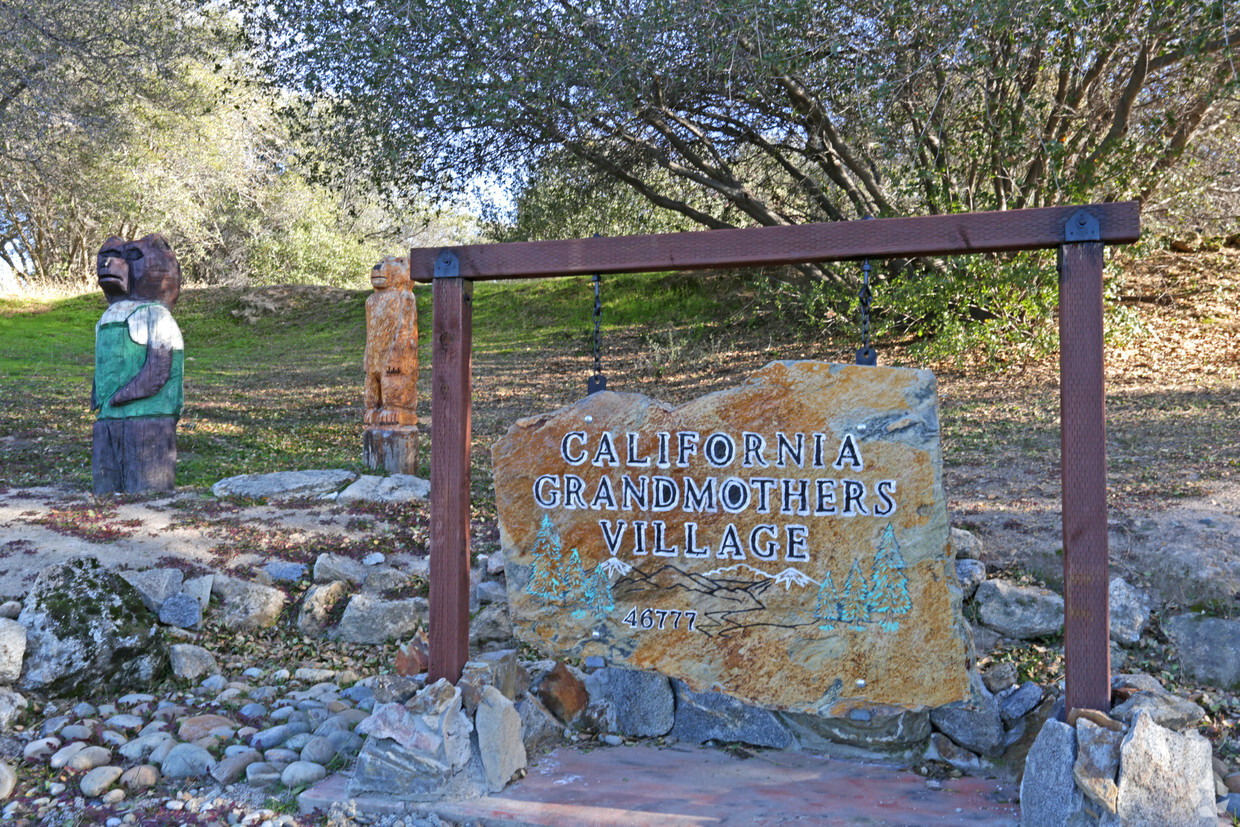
139,363
391,365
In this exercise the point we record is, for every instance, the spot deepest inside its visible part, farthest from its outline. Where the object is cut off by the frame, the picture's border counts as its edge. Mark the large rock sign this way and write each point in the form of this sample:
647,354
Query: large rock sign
784,542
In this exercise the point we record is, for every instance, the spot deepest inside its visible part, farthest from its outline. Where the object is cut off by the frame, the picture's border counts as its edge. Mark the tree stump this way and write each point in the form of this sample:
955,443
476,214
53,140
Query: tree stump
394,449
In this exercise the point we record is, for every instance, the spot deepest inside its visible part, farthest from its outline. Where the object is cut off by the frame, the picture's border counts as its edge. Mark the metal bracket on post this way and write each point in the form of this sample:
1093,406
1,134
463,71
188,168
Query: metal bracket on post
448,267
1081,226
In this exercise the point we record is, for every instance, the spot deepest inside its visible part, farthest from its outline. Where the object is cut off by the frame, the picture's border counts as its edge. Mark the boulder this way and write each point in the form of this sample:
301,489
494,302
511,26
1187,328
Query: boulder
155,585
971,574
1130,611
1164,777
317,607
974,724
181,610
1097,762
282,571
941,748
643,701
199,588
499,738
491,625
539,728
1209,648
858,724
1019,611
398,488
247,606
87,628
711,716
370,619
190,662
284,484
563,692
965,544
12,650
1048,793
1165,709
328,568
1019,703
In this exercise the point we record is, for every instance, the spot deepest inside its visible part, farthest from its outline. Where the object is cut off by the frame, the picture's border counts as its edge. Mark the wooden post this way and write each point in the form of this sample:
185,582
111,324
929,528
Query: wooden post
451,353
1087,650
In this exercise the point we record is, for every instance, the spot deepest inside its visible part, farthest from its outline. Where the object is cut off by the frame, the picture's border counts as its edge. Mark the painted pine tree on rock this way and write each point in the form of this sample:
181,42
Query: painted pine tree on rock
888,582
855,599
545,579
572,580
828,606
599,599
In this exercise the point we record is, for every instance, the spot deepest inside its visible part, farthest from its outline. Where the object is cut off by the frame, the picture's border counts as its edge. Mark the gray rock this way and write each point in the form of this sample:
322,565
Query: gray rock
971,574
40,750
386,767
96,782
282,571
398,488
491,625
371,619
200,589
941,748
86,629
643,701
539,728
1019,611
975,723
316,608
12,650
1130,611
61,757
965,544
1137,682
392,689
88,758
1000,676
984,640
77,732
1165,778
872,727
1097,762
186,761
319,748
247,606
1048,793
385,578
374,558
154,585
140,777
8,781
140,748
492,591
284,484
332,567
507,673
499,738
302,774
10,609
275,736
190,662
232,767
1165,709
181,610
1209,648
711,716
1020,703
262,774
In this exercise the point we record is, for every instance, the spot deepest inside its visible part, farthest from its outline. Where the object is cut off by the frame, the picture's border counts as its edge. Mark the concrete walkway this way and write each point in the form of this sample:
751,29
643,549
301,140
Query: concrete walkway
686,786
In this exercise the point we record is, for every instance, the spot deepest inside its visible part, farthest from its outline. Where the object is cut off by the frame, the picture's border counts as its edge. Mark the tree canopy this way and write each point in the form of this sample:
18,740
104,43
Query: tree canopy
743,112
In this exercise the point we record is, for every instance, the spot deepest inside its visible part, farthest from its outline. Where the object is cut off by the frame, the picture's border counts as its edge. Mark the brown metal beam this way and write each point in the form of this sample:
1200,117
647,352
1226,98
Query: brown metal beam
931,235
451,353
1087,650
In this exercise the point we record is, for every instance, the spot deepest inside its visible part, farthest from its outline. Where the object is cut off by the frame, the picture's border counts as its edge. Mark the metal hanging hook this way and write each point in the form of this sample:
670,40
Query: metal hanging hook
597,382
866,355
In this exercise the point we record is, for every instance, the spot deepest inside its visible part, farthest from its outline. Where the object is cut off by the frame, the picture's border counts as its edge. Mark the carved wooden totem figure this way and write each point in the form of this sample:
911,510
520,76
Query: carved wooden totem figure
391,365
139,364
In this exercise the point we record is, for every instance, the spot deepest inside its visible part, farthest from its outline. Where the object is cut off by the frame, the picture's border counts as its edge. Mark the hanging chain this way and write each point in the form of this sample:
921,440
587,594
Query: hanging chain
597,382
867,355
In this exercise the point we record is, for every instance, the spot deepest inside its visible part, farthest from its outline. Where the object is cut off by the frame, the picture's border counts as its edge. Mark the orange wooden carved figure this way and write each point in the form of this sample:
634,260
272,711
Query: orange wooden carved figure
391,361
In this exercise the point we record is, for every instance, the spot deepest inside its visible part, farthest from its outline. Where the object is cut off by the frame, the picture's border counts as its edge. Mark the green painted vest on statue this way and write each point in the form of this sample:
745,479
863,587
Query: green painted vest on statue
118,358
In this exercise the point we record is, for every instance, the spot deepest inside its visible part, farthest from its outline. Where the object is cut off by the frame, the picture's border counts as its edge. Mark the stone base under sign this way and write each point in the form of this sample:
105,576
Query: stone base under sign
394,449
